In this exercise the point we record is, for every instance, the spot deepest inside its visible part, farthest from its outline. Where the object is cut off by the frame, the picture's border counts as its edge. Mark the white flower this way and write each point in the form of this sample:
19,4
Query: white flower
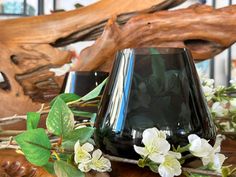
199,147
96,162
219,109
215,160
82,152
209,82
156,146
227,126
209,155
170,166
208,92
154,133
99,163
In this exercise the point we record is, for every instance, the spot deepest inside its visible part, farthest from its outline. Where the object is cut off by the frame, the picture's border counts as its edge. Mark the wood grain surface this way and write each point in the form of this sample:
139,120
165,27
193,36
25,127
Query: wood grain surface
199,28
15,165
29,48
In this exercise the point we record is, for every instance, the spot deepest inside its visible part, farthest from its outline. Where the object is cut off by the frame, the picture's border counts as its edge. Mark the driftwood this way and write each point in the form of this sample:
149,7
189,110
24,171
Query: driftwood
205,31
28,48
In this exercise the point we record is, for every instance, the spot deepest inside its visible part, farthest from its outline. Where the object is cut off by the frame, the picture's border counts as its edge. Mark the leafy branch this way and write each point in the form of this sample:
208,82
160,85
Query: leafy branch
53,148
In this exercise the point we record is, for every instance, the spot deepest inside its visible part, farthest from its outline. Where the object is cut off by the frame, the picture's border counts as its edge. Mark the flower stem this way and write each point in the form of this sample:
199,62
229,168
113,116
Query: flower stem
56,155
188,156
183,149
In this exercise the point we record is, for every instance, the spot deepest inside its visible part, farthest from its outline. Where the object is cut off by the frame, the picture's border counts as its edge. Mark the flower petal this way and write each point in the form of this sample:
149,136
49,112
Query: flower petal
81,156
77,146
106,165
156,157
141,150
101,165
97,154
218,161
175,154
88,147
208,159
148,135
84,167
165,171
199,147
219,139
170,167
163,146
151,134
192,138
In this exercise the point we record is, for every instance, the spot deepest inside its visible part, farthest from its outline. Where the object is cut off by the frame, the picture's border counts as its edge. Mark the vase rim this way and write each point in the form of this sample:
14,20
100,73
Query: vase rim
161,50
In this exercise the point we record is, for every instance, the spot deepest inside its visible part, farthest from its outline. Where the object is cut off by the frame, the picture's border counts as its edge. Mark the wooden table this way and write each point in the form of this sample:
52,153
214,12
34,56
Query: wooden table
15,165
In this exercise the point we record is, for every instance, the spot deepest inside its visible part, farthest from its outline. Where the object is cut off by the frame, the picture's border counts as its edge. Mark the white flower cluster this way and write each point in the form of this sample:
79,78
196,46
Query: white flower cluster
207,85
87,162
157,149
209,155
219,101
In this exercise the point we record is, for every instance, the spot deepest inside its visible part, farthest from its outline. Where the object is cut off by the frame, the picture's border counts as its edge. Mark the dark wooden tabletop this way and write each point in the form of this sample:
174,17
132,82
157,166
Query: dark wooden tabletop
15,165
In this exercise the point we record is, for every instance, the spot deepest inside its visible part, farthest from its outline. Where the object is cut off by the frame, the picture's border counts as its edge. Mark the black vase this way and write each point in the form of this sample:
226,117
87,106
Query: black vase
151,87
81,83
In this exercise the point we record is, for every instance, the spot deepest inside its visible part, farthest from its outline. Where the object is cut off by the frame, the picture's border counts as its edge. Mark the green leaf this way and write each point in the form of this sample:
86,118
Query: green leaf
153,167
49,167
66,97
32,120
65,157
35,145
95,92
93,118
60,120
68,145
63,169
81,134
82,113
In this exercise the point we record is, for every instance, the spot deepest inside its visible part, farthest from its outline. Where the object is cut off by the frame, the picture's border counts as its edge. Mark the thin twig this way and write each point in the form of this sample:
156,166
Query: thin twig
189,170
119,159
17,118
41,109
198,171
223,119
84,123
5,138
12,119
9,147
11,132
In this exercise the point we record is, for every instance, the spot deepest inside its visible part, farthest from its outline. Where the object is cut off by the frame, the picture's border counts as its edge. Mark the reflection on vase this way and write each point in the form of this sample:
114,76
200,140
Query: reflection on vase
151,87
81,83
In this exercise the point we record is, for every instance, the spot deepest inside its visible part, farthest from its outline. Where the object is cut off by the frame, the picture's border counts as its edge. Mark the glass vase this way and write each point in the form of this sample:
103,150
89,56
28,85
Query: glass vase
151,87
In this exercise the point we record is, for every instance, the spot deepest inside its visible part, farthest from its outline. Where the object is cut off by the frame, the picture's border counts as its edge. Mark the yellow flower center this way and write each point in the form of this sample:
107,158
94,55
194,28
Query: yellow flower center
81,153
97,163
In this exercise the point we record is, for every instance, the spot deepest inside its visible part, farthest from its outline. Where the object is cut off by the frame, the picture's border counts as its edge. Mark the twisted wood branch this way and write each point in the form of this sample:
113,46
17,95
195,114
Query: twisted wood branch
202,29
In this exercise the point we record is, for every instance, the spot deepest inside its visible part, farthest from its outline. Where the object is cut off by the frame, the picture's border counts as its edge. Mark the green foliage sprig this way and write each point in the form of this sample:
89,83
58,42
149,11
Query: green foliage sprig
52,148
